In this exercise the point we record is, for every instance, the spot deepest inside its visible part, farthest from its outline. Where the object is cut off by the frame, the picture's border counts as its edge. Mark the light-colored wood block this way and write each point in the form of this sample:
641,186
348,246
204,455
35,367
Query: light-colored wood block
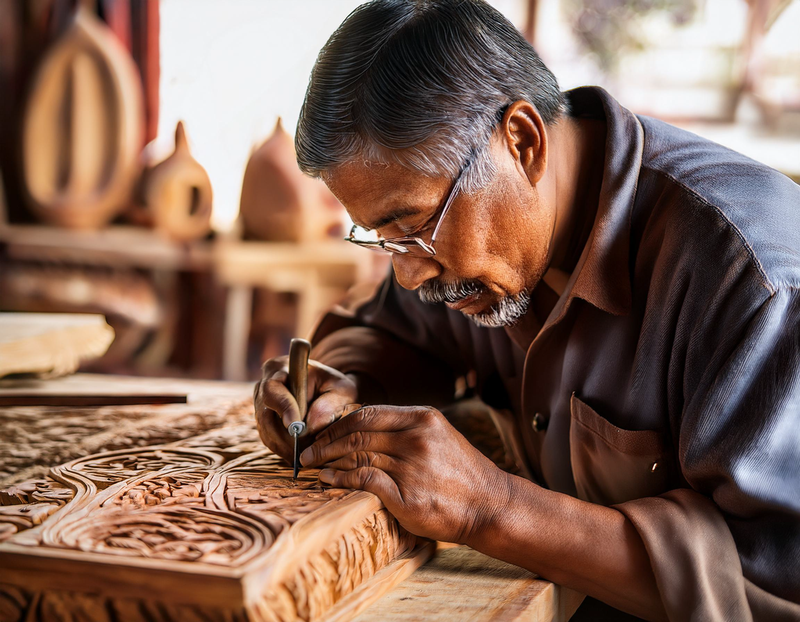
195,530
50,343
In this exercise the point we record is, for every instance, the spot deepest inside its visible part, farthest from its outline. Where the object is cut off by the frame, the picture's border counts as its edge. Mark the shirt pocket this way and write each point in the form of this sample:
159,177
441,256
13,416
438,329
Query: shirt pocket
611,465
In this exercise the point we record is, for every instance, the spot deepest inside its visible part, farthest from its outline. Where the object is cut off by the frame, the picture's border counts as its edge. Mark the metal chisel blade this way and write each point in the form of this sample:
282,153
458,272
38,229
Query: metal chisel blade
296,457
296,429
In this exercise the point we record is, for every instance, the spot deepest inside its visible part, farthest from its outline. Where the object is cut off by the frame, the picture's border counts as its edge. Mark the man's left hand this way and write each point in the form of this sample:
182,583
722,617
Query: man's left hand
426,473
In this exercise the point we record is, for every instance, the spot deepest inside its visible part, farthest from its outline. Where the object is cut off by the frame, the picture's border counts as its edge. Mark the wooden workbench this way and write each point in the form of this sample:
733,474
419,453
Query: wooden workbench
458,584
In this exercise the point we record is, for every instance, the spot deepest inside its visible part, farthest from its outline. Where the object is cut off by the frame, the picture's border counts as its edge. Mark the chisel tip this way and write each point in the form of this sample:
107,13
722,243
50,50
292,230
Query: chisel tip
296,429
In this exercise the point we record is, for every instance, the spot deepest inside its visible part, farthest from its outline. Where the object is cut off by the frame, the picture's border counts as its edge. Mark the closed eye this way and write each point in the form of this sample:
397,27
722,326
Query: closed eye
405,226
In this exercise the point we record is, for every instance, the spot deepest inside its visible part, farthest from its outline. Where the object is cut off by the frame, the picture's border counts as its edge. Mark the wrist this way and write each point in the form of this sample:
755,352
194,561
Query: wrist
492,512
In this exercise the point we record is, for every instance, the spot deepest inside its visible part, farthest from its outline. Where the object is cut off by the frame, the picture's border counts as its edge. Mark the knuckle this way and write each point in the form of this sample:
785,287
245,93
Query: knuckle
274,364
353,441
418,444
427,415
364,415
366,476
364,458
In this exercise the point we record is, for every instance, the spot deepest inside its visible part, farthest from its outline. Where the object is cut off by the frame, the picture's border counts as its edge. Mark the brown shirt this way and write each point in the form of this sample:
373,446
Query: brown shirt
666,380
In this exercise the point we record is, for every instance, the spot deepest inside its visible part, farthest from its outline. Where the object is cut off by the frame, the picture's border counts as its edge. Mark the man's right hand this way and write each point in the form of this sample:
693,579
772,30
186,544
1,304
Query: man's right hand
329,391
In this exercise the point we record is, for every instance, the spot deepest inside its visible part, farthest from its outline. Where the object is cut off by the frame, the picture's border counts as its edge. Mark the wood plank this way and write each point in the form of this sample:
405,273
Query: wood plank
84,401
116,245
85,390
196,391
463,584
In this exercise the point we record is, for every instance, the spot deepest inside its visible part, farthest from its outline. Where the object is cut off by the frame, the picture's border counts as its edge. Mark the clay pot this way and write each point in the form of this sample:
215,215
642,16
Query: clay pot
281,204
177,194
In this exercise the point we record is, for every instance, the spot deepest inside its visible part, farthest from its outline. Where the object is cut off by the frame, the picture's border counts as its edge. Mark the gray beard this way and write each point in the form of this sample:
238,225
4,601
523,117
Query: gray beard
506,312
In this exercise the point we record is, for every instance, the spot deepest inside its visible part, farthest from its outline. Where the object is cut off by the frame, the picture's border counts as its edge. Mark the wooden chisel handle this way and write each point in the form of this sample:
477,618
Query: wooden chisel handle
298,373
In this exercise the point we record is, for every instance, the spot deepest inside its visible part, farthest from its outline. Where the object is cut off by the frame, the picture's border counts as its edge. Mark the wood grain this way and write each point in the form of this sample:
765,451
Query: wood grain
463,584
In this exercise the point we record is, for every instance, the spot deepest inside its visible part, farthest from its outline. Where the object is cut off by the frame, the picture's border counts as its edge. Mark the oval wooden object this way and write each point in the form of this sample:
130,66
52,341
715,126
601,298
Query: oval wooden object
279,203
82,131
178,195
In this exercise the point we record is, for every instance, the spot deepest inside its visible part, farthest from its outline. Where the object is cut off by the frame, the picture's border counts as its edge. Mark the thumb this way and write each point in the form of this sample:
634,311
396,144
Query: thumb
326,409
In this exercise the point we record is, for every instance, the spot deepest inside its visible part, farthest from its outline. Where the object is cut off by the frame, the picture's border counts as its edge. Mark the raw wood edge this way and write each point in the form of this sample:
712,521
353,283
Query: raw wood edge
381,582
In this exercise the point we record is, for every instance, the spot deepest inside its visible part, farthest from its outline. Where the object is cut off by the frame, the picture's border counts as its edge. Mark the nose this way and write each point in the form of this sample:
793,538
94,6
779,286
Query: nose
411,272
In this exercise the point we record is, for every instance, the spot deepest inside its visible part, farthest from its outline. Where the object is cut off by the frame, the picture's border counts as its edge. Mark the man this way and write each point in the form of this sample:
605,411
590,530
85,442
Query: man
626,293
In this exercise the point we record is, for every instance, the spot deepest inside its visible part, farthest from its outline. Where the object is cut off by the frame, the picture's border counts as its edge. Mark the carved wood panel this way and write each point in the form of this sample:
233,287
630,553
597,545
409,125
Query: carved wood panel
34,438
206,528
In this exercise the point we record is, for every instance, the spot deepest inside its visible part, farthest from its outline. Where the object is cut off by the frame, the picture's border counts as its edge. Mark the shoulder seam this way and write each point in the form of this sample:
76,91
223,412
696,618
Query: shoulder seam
770,287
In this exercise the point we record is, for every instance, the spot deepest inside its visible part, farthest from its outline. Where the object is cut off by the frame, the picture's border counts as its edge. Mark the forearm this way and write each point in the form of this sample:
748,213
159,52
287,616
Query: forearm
590,548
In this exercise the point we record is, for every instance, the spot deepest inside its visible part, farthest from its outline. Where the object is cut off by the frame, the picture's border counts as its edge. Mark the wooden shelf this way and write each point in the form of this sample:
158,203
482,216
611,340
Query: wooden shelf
319,273
114,246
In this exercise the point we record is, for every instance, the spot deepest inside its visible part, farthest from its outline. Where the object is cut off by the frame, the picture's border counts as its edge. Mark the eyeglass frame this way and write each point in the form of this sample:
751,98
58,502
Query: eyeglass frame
396,245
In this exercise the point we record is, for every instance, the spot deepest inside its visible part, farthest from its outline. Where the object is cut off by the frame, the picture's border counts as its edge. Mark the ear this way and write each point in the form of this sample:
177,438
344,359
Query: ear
523,129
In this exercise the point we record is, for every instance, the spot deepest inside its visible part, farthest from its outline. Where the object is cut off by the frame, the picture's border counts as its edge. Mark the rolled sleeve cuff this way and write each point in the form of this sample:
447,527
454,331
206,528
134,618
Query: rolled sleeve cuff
696,563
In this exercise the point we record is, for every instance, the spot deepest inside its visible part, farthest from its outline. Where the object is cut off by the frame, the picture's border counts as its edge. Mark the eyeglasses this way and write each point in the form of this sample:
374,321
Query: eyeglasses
411,244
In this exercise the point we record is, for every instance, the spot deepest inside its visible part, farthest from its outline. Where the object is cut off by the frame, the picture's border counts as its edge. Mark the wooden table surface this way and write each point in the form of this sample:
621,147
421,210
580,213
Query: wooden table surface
458,584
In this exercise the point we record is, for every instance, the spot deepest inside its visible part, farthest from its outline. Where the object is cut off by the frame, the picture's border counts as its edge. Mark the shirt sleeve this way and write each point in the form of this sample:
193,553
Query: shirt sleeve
728,548
383,328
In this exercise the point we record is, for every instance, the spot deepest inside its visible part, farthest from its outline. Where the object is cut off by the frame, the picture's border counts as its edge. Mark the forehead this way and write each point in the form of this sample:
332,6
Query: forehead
371,192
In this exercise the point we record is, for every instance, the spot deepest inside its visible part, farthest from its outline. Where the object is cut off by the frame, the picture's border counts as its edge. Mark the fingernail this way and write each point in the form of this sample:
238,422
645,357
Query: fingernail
326,476
307,456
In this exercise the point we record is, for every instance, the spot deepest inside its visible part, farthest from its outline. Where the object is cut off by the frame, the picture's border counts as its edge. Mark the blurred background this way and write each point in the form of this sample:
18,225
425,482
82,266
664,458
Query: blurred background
147,168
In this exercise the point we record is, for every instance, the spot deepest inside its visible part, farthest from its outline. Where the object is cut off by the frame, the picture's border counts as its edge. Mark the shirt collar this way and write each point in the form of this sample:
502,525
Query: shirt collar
602,275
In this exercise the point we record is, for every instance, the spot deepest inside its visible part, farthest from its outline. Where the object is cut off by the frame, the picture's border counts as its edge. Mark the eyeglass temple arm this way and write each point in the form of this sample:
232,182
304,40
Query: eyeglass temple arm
447,205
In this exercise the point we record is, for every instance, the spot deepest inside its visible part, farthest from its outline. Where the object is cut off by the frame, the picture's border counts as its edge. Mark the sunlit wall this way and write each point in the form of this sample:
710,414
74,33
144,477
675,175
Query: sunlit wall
229,69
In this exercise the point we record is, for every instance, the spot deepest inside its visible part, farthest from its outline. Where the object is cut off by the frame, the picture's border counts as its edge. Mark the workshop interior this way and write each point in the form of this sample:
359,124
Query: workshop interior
159,243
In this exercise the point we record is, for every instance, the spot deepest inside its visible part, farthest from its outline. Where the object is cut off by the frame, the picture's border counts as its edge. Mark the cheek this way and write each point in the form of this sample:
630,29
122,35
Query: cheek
484,247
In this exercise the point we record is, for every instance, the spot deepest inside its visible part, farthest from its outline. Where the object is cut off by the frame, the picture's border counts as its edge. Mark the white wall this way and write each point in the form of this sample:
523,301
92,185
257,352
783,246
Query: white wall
229,69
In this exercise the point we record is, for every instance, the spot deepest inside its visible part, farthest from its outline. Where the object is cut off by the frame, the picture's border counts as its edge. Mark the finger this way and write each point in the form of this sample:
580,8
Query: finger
362,459
273,434
275,364
372,418
326,409
277,396
367,478
320,452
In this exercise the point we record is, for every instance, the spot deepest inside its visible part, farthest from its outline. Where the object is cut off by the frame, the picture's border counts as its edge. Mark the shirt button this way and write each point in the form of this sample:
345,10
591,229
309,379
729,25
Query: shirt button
539,423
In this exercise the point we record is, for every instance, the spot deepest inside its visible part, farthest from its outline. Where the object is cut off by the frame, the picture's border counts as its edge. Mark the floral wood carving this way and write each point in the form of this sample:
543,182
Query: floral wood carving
194,530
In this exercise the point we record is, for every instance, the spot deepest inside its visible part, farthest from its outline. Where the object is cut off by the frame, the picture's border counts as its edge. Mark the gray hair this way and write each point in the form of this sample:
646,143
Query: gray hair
420,83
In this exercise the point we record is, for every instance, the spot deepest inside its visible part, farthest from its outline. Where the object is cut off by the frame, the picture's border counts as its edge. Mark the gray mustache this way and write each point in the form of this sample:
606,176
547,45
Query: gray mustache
433,292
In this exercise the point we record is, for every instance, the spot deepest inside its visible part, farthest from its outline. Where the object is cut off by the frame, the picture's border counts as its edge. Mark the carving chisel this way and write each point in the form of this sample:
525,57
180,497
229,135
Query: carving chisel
298,385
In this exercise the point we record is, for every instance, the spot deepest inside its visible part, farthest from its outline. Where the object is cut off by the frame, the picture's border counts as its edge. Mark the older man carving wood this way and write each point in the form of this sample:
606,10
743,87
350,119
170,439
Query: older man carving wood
626,292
